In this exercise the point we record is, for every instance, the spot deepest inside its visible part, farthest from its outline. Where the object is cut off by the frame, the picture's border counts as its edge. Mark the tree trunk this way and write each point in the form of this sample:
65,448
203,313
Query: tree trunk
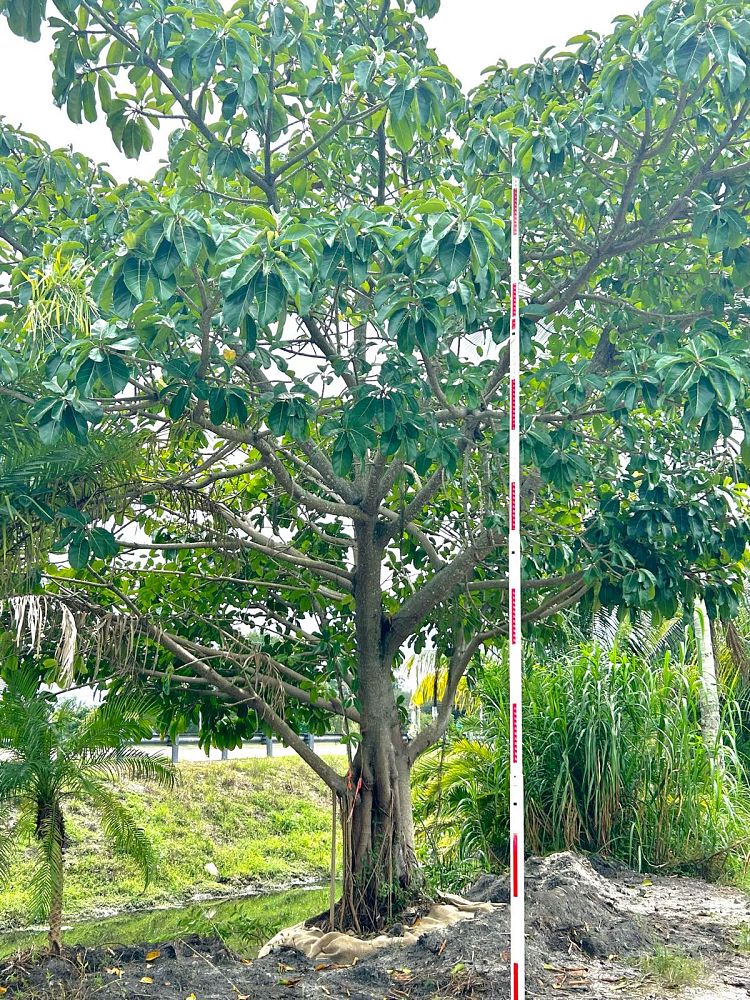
710,708
381,876
55,918
50,823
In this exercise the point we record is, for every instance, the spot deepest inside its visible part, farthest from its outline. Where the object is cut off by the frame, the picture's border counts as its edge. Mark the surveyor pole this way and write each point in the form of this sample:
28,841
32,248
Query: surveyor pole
517,830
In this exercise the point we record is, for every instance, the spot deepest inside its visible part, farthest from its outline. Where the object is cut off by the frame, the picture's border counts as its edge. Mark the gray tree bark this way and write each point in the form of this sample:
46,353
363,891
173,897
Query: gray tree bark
710,706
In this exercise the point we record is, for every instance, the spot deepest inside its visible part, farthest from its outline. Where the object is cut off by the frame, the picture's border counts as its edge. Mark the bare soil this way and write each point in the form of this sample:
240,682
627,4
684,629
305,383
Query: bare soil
589,926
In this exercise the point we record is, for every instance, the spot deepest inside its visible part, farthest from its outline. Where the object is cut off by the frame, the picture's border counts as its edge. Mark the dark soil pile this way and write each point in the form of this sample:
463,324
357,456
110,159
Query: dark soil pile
587,927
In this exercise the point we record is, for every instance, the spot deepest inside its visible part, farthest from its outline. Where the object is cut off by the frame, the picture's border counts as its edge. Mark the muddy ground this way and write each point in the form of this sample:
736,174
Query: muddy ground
589,927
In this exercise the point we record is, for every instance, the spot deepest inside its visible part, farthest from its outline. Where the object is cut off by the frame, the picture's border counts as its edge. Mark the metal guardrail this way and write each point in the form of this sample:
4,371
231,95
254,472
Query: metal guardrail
260,739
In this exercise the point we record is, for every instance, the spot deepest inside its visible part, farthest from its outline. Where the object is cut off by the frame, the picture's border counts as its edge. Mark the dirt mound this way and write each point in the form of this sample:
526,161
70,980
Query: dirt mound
568,901
586,927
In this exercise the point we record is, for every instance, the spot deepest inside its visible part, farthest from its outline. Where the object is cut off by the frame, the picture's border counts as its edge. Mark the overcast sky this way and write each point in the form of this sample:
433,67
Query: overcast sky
468,34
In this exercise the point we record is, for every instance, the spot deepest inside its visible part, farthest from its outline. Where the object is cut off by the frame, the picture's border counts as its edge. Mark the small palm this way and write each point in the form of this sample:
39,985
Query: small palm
49,757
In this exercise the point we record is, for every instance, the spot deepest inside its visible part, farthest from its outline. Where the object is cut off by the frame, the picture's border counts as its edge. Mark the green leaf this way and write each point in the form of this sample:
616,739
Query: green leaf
42,408
135,273
719,42
187,241
364,72
278,19
426,334
74,516
206,56
88,96
425,102
403,133
103,543
179,402
250,333
74,104
75,421
330,260
8,366
736,70
710,430
217,405
236,306
79,551
244,271
342,456
700,398
270,297
166,259
453,256
690,56
400,100
123,301
480,247
278,417
306,53
132,139
113,373
25,18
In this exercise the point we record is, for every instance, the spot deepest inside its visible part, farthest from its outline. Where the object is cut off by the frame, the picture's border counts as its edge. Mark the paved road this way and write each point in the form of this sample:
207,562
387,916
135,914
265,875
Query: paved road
191,752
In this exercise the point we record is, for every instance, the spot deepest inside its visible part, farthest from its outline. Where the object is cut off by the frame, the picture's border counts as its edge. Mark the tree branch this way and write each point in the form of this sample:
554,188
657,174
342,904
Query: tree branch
459,661
437,589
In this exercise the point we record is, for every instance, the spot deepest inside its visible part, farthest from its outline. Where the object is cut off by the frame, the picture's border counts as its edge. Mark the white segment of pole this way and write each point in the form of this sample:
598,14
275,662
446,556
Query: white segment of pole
517,812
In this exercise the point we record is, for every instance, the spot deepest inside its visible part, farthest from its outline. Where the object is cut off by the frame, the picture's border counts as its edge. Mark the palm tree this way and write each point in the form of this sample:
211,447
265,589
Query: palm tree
50,755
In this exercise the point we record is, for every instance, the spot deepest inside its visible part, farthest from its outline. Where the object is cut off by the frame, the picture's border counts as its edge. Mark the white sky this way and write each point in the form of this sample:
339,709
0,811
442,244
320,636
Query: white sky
468,34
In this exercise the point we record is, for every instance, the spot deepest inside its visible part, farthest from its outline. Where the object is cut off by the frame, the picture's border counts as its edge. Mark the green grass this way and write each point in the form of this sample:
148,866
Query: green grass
673,969
741,940
261,822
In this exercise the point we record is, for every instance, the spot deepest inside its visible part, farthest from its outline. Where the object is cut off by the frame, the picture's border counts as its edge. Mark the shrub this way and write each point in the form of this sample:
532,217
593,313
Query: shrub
615,764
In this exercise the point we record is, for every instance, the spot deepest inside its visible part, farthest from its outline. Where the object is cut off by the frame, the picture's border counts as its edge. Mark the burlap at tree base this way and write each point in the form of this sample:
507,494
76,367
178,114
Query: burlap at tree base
341,948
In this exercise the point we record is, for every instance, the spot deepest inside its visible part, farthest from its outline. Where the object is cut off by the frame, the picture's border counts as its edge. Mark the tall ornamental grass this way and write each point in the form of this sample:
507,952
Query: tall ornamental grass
615,764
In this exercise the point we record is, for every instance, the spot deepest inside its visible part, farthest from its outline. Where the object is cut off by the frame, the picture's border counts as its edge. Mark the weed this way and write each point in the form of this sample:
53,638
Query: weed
742,939
672,968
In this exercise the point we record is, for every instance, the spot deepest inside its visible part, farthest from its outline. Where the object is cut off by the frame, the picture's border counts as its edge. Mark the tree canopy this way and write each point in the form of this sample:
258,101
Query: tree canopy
296,333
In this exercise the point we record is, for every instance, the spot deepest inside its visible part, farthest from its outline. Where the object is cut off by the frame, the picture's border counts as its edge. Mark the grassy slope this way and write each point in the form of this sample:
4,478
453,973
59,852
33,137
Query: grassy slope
258,821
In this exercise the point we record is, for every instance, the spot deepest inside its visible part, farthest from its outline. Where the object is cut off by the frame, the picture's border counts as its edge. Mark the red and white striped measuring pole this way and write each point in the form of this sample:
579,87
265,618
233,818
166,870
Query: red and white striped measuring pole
517,830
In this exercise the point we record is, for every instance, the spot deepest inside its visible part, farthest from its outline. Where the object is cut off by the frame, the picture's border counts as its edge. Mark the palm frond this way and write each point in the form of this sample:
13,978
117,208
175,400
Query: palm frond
47,878
38,480
115,763
123,718
122,831
6,853
25,716
17,778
